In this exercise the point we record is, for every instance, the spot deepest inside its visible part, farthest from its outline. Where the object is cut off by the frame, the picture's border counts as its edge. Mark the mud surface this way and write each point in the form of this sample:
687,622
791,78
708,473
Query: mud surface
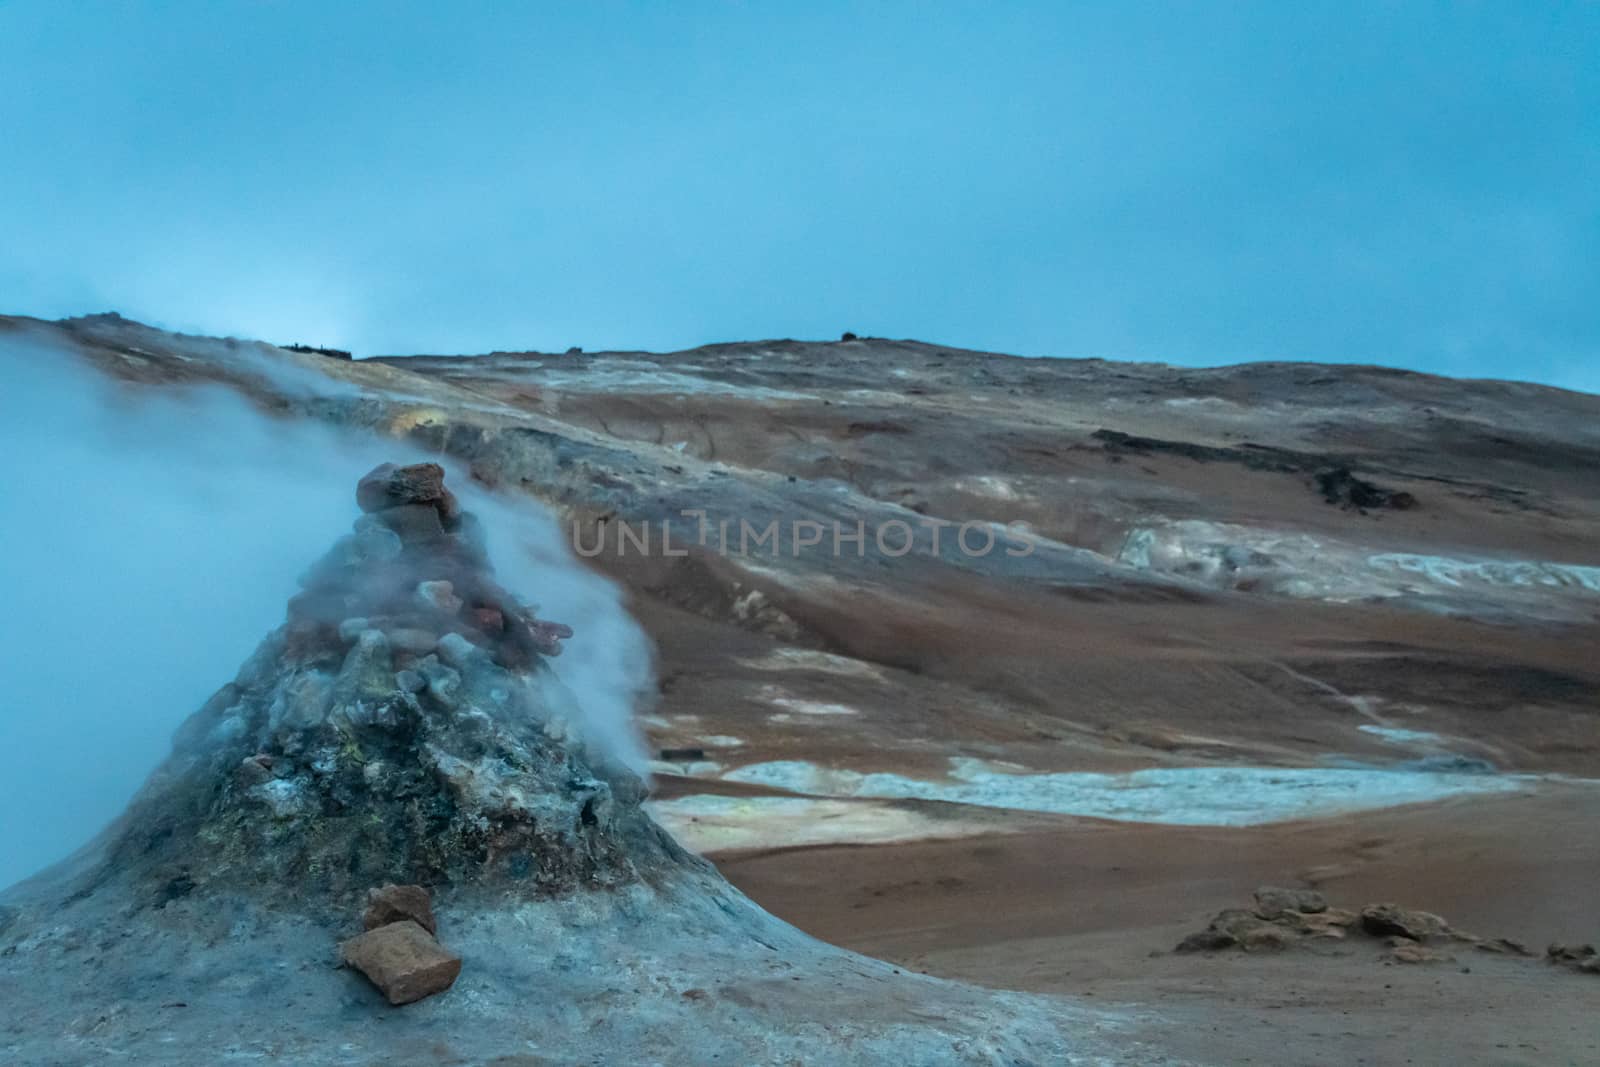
1092,911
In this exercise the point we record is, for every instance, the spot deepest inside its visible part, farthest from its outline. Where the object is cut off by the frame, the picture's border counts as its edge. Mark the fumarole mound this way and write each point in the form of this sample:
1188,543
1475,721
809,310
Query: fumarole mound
401,726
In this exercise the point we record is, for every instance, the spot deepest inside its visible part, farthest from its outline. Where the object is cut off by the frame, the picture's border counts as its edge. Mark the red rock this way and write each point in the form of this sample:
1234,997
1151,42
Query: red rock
387,486
489,620
547,636
526,637
396,903
403,960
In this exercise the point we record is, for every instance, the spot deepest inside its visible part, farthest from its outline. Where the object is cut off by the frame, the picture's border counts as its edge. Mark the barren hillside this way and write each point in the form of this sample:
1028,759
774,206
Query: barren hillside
1014,670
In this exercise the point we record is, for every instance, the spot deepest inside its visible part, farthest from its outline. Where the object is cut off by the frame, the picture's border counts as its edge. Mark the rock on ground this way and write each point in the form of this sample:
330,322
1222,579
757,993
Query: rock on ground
403,960
397,903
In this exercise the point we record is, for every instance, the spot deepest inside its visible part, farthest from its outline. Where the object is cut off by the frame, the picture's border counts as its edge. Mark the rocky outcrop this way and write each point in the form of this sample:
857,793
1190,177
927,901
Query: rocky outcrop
1280,918
1301,918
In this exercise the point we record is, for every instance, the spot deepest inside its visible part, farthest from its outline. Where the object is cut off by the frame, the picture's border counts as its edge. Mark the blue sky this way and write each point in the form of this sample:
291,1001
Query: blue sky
1412,183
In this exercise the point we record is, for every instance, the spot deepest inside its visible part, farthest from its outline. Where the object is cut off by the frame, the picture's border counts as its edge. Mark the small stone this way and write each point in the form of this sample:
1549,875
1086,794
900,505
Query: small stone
457,650
368,673
351,629
396,903
1266,937
489,620
1332,923
375,542
525,635
1405,950
1380,920
410,681
1273,901
444,683
440,596
411,639
300,705
253,770
387,485
403,960
547,636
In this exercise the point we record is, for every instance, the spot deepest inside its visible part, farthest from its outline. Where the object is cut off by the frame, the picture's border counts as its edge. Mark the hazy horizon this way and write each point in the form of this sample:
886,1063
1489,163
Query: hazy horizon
931,342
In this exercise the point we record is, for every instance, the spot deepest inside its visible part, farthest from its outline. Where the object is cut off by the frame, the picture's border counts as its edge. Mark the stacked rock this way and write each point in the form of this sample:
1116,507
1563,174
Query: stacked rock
400,951
415,570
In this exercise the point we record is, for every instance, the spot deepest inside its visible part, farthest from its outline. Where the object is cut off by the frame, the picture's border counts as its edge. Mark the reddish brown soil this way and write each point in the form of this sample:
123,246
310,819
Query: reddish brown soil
1091,909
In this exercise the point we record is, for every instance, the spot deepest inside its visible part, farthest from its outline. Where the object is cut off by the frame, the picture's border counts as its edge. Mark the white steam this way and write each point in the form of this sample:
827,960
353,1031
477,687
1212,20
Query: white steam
608,663
152,538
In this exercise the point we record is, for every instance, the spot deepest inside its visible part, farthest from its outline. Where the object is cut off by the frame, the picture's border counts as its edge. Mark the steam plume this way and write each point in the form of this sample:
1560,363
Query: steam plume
151,540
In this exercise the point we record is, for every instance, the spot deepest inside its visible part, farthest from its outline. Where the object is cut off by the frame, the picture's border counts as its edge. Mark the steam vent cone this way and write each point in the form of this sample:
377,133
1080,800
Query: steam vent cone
403,726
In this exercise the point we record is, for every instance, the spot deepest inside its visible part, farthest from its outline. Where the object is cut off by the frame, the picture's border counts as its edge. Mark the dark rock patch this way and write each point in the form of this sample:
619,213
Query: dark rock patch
1339,486
1332,475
